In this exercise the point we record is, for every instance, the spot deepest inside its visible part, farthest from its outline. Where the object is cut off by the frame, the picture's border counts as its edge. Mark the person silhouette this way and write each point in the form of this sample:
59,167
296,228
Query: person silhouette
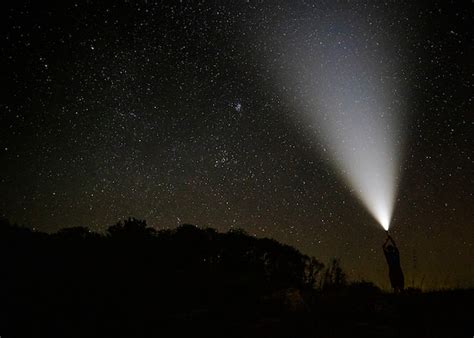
393,259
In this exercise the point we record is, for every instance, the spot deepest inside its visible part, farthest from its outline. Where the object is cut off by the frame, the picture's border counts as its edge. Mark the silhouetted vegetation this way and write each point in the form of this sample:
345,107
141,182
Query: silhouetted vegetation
134,281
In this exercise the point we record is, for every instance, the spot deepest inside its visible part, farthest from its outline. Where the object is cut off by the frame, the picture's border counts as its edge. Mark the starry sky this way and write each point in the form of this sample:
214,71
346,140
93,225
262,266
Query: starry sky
178,113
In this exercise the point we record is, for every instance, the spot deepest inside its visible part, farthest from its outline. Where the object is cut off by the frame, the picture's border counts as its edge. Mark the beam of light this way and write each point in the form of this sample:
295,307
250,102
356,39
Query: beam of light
345,84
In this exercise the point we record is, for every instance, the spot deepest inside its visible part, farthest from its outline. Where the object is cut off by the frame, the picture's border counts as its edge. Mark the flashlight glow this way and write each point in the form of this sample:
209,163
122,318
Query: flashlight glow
348,93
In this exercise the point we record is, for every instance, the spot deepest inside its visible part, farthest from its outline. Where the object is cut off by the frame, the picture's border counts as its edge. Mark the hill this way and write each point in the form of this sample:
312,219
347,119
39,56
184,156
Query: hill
134,281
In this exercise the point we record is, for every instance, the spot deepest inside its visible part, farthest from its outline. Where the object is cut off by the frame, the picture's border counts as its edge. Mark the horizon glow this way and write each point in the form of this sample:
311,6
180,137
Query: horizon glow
347,93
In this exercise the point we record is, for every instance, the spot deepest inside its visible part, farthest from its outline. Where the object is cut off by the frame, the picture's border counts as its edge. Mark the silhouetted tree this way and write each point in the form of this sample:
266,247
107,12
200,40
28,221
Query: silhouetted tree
131,228
313,269
334,277
75,233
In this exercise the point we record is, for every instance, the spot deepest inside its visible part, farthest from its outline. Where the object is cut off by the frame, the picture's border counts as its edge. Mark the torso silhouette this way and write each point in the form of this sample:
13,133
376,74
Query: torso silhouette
392,256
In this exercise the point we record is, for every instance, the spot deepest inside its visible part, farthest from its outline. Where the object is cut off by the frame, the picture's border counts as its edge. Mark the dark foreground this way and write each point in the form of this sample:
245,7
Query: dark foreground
135,282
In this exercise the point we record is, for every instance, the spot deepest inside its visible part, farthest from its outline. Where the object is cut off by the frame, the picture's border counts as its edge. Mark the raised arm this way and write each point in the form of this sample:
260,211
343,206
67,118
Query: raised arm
391,240
384,246
387,241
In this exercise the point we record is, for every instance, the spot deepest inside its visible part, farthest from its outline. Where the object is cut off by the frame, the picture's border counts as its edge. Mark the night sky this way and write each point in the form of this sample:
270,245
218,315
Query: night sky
179,114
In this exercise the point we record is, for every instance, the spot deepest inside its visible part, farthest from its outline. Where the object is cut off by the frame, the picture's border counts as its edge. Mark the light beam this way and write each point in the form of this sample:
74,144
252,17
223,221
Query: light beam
346,85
